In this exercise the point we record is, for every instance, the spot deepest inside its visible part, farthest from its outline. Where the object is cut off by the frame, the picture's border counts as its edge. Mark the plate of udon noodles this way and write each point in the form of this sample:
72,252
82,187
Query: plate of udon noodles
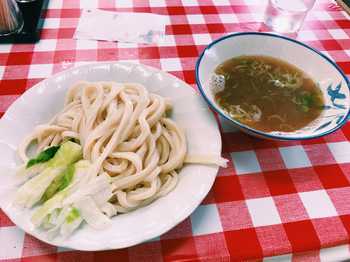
106,156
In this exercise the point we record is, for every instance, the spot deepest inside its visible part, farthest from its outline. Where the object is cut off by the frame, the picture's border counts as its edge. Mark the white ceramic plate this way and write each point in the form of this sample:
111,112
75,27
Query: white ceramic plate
42,101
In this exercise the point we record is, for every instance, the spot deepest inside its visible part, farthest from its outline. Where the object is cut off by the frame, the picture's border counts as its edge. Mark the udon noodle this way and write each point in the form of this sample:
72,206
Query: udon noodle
125,132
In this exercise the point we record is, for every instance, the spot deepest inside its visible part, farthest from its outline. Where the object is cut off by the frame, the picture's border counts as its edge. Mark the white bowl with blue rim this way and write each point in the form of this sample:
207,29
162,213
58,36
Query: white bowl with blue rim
330,78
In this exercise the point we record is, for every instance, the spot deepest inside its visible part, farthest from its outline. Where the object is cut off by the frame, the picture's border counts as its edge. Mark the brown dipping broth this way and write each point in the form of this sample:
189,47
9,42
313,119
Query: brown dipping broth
268,94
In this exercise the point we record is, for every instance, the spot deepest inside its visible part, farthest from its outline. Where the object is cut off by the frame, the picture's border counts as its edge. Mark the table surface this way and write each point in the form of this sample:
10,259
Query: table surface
274,198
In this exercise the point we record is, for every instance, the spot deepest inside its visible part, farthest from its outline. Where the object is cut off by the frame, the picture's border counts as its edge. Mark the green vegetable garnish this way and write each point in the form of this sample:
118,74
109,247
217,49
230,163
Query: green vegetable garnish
33,190
43,156
72,215
59,183
67,177
305,101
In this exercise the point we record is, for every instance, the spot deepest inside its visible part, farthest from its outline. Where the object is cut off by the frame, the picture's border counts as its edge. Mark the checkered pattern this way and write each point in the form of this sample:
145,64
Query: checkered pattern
284,199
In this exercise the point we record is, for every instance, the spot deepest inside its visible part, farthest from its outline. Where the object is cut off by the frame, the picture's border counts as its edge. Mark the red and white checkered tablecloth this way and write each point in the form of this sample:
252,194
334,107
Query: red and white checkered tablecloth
274,198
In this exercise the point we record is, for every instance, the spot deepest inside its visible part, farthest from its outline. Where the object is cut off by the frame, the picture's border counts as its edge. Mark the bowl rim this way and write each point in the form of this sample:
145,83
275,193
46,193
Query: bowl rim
257,132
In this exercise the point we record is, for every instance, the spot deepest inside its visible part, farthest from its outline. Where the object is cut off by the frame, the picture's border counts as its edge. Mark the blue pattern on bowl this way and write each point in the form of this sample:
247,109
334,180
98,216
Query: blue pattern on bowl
334,95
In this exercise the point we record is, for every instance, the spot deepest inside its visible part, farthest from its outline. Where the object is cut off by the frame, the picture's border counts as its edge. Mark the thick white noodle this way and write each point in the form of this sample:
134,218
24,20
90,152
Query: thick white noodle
125,133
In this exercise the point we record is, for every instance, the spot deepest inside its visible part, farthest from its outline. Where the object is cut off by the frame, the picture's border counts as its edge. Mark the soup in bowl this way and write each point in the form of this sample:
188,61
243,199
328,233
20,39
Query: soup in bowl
273,87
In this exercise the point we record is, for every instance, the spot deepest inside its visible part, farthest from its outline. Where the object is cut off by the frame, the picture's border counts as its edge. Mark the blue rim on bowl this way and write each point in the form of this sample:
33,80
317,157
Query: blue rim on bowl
257,132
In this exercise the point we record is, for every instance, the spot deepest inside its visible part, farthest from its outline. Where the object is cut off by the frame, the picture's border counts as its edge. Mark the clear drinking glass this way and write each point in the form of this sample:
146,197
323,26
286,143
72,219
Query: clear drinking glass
287,16
11,20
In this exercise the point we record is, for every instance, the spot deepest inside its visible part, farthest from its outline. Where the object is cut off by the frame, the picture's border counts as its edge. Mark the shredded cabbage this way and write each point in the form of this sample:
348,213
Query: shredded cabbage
83,199
91,213
33,190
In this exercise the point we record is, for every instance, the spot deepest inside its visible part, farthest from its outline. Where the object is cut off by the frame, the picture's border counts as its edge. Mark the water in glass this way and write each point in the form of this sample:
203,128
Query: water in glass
287,16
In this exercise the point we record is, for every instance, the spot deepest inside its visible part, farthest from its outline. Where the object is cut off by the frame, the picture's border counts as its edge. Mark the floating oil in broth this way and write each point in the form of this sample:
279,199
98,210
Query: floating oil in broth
268,94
